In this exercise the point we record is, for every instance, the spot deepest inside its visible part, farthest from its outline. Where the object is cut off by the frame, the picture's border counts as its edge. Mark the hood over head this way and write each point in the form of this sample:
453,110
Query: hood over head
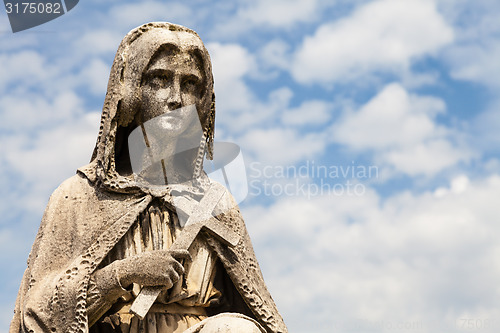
110,163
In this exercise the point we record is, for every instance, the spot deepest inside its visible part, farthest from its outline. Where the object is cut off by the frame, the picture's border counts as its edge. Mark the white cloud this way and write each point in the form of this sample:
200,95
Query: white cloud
275,54
400,129
334,261
48,159
25,66
477,63
30,112
94,76
381,36
425,158
11,42
131,15
391,118
267,130
98,42
57,149
485,128
278,13
250,16
458,185
282,146
312,112
474,56
44,140
231,63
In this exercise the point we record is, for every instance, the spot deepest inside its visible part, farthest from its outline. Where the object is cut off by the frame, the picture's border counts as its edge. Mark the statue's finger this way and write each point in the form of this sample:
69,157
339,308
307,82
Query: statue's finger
181,254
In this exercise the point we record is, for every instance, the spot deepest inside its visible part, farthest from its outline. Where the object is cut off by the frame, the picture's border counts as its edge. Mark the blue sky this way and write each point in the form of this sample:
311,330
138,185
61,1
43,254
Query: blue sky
409,88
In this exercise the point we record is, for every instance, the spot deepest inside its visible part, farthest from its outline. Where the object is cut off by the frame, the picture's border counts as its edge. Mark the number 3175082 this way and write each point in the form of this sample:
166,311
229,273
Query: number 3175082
33,8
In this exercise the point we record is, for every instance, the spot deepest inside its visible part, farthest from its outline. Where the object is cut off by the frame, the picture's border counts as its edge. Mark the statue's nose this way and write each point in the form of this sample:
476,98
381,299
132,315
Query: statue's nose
174,97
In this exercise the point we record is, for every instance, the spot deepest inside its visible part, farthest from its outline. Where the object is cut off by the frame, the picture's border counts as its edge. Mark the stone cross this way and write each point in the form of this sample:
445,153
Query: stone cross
194,225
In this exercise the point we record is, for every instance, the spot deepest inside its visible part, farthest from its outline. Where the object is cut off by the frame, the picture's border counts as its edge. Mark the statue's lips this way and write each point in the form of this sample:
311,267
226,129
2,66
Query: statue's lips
173,113
175,117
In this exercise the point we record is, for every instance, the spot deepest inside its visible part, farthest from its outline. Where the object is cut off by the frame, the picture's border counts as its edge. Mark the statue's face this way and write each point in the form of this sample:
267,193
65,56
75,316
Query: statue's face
172,81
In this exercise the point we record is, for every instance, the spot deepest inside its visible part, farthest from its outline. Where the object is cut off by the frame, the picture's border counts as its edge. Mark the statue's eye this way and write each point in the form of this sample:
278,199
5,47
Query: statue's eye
158,80
191,83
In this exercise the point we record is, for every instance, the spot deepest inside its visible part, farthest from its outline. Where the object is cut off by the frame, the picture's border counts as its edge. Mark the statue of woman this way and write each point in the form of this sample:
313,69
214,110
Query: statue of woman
107,231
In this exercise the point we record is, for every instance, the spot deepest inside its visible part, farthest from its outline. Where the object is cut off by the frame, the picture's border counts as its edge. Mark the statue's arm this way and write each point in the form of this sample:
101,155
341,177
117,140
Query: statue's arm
104,289
53,290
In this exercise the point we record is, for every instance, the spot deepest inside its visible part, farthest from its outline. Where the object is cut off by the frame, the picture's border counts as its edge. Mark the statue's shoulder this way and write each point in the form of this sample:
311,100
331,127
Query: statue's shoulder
227,201
75,186
73,195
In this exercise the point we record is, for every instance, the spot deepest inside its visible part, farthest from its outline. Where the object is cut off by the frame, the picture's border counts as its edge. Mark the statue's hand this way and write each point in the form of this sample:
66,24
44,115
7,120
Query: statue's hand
155,268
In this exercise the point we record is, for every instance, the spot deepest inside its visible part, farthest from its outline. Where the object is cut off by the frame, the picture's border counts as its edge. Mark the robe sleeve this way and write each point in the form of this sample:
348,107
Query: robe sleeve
79,227
53,277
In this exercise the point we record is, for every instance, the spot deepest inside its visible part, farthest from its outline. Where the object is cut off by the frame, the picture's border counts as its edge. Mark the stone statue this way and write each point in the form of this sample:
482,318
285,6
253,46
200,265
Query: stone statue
142,222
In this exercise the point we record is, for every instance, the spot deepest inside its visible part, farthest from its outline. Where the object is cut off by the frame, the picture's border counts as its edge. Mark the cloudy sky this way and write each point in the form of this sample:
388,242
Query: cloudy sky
369,130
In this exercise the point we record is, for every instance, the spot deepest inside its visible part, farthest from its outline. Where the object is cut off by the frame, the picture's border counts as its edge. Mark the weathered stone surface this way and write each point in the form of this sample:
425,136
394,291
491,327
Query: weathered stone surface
227,323
141,214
